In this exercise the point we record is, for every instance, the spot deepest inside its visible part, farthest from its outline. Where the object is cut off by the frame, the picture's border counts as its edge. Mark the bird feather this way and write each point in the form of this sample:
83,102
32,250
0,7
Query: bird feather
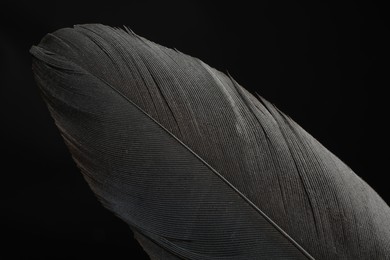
197,166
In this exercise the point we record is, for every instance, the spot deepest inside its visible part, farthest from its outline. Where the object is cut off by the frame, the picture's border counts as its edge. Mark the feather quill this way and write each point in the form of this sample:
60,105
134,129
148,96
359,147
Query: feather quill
197,166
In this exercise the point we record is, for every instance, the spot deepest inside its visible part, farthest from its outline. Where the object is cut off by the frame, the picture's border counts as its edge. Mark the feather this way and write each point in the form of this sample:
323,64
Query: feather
197,166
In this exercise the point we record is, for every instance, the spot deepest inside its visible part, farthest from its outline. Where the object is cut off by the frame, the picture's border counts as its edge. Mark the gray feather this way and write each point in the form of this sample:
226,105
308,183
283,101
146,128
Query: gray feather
197,166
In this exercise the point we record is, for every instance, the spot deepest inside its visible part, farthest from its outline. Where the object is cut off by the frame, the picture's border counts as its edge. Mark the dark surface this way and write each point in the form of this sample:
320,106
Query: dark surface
320,63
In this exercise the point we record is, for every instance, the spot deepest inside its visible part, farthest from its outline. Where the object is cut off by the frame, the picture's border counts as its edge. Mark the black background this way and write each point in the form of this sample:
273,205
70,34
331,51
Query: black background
322,63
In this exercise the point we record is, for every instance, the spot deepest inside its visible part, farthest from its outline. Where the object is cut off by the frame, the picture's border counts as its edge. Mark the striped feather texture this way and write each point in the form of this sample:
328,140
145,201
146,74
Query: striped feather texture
197,166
